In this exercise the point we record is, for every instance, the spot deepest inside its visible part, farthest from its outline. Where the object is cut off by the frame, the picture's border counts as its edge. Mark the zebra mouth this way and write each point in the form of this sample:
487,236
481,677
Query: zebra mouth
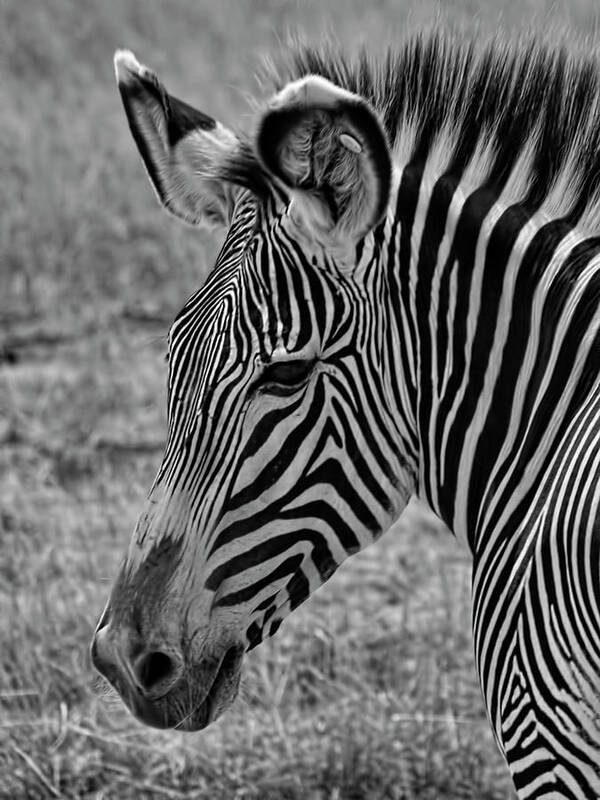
220,695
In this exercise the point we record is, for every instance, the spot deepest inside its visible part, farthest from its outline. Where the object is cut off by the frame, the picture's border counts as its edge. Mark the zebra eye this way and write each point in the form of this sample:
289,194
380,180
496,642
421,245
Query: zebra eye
284,377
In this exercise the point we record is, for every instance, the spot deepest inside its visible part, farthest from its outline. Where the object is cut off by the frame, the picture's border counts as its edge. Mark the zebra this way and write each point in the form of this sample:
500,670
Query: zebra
405,303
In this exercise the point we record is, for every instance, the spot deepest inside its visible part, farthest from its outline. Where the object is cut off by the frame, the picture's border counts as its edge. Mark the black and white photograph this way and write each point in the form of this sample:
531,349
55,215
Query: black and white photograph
300,400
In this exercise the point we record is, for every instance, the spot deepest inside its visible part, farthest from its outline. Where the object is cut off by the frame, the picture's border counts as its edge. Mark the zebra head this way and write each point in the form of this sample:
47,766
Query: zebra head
285,452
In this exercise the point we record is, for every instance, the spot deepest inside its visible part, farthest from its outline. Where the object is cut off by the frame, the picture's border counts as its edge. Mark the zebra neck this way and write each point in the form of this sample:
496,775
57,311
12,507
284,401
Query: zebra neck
498,322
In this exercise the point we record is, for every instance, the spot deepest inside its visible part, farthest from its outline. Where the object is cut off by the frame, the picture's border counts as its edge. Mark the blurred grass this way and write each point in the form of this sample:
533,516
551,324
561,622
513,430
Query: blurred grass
369,690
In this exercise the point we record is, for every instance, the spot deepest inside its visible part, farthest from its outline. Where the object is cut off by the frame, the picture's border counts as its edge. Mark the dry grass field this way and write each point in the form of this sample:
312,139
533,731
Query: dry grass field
369,689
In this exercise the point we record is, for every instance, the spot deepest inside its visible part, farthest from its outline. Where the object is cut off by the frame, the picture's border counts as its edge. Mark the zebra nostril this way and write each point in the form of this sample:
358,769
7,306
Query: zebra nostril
156,671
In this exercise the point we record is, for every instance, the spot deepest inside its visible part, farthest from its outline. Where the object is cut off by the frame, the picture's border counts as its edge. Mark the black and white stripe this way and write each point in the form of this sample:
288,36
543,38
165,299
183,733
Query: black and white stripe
455,353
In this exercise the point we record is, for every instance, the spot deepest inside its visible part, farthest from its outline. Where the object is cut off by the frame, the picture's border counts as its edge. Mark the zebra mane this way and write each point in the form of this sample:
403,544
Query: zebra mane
521,117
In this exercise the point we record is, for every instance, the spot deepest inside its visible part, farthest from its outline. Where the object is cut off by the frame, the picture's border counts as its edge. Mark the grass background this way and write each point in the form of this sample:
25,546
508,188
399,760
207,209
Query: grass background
369,689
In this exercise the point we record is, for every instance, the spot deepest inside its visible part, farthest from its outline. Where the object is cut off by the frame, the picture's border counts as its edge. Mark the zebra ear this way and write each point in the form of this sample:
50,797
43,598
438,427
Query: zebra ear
329,148
185,152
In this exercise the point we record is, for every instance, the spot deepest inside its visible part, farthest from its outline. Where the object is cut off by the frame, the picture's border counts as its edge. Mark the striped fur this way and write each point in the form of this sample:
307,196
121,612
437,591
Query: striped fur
458,357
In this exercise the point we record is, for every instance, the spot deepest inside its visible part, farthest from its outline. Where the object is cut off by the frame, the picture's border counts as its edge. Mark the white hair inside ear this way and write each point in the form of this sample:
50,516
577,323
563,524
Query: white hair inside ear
329,148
